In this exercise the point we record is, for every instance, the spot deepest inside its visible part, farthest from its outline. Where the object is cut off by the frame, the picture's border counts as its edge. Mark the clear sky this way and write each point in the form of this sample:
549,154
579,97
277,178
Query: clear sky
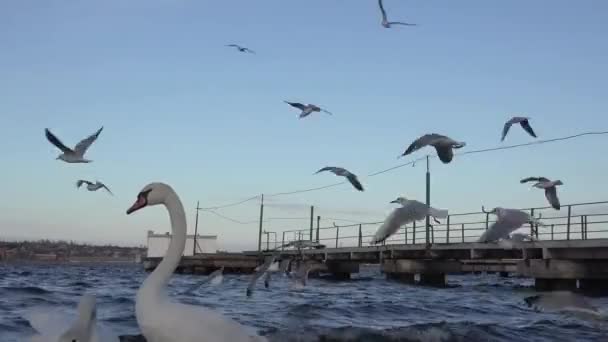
180,107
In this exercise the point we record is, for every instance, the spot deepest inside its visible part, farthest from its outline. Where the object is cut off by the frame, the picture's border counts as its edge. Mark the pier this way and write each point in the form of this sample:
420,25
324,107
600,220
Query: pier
570,250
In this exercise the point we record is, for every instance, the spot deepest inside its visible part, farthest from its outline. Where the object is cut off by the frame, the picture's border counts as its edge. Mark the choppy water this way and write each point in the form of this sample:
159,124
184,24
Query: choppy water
368,308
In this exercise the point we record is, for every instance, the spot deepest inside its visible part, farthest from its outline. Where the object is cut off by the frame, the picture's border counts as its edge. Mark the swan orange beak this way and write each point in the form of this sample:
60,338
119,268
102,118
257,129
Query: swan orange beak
139,203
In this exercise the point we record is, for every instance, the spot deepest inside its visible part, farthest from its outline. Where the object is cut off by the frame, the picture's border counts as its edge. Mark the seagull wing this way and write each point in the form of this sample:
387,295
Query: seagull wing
525,124
297,105
399,216
249,50
55,141
328,168
82,181
233,45
352,178
267,280
400,23
327,112
263,268
382,10
499,229
445,153
84,144
107,189
423,141
505,130
530,179
551,195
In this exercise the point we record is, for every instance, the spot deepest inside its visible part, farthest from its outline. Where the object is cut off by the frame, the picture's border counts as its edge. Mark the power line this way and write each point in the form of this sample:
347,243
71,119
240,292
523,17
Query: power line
231,204
538,142
274,218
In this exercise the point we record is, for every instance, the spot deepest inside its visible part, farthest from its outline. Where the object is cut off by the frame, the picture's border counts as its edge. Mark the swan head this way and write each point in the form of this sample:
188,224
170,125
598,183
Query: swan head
151,194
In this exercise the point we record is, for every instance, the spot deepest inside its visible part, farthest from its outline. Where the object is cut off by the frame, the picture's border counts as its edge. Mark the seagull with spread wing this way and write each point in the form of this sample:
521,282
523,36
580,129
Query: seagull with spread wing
385,22
522,121
549,186
442,144
339,171
93,186
507,221
241,48
307,109
75,155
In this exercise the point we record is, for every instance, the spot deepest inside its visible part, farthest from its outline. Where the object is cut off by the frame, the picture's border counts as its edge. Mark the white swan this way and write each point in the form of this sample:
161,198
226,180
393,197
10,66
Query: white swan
160,319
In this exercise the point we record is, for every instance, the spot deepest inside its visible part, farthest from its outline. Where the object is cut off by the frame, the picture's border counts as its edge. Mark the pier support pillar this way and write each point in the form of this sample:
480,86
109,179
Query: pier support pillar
547,284
406,278
593,285
503,274
342,269
432,279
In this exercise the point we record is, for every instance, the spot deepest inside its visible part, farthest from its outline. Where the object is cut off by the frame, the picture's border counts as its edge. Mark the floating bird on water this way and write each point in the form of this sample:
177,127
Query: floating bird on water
307,109
339,171
241,48
549,186
385,22
507,221
442,144
410,211
92,186
75,155
524,123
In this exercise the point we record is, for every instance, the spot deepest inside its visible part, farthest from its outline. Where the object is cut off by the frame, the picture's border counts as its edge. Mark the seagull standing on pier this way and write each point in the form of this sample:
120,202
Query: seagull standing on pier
93,186
549,186
442,144
385,22
507,221
522,121
241,48
410,211
75,155
339,171
307,109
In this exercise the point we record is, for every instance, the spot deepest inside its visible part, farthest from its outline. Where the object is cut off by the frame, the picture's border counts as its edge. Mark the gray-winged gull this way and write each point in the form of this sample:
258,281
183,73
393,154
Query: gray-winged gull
269,260
241,48
307,109
93,186
385,22
75,155
410,211
507,221
524,123
340,171
549,186
442,144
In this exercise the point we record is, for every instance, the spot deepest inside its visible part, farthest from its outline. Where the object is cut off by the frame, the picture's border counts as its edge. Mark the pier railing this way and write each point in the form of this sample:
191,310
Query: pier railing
579,221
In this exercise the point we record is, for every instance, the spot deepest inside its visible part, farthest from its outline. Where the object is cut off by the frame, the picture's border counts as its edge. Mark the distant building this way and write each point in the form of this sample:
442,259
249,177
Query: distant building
158,244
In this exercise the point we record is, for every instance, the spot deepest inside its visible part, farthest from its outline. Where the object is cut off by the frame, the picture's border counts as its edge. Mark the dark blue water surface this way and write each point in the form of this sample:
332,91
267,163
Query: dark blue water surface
367,308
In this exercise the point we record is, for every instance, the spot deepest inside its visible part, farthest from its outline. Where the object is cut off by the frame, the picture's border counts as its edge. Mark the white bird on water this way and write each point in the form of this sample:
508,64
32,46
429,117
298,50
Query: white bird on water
340,171
385,22
75,155
92,186
163,320
507,221
410,211
307,109
442,144
549,186
51,324
522,121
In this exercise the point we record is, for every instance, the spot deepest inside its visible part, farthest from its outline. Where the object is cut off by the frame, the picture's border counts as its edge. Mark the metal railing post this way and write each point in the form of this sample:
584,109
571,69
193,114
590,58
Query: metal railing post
447,233
487,220
405,233
337,235
552,231
414,233
318,227
360,237
283,242
532,222
568,224
462,232
582,228
586,237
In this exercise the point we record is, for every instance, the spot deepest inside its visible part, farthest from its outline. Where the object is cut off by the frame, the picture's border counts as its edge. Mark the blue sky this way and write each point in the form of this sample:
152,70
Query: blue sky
180,107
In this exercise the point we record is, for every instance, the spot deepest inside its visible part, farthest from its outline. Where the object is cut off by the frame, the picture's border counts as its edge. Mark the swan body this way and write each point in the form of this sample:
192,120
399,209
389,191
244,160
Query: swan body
159,318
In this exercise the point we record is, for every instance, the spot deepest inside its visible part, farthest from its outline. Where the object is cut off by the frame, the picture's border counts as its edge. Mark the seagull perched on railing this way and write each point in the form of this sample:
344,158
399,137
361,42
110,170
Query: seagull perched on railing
442,144
410,211
385,22
93,186
549,186
339,171
75,155
241,48
507,221
307,109
522,121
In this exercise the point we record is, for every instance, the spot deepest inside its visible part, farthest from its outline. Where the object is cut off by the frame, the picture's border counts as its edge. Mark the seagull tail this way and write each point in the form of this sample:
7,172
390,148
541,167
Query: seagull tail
438,213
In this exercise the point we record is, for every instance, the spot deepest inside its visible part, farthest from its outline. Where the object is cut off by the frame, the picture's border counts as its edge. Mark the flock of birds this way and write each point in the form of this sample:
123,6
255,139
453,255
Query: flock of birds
162,320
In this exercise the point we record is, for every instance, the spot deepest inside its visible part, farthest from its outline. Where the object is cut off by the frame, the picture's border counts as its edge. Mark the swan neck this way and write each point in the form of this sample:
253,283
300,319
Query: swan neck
161,275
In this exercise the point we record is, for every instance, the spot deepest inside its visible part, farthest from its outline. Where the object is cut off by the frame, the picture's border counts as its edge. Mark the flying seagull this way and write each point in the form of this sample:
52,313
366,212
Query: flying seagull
549,186
307,109
442,144
93,186
269,260
507,221
410,211
75,155
385,22
339,171
525,124
403,201
241,48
